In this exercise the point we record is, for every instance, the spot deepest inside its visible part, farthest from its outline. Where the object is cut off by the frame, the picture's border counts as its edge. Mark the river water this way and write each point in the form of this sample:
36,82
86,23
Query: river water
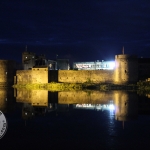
40,119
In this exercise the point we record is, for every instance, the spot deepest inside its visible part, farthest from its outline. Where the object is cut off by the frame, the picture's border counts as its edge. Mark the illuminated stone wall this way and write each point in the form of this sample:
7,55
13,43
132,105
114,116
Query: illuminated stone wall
24,76
40,75
34,97
37,75
7,72
81,76
126,70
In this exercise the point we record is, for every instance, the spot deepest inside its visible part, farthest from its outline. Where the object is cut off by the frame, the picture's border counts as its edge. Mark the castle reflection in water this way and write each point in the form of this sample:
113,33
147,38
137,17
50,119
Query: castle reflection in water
124,105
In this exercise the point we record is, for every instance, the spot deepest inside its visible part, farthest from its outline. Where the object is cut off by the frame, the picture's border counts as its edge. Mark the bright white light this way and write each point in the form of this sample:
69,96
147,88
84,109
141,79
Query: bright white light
104,106
111,65
111,107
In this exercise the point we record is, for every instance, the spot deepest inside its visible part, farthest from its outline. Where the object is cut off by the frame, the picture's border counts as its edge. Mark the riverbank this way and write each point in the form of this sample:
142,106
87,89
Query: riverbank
50,86
78,86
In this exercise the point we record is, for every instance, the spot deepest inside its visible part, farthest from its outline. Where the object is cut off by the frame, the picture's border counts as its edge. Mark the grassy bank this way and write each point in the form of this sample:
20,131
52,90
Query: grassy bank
50,86
75,86
143,87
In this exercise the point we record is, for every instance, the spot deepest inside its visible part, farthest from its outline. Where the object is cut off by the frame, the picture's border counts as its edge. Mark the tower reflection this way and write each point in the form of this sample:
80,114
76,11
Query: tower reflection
126,105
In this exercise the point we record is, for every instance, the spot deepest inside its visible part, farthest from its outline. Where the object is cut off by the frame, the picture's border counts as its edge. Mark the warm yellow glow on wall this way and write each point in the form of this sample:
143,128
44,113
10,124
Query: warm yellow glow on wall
32,76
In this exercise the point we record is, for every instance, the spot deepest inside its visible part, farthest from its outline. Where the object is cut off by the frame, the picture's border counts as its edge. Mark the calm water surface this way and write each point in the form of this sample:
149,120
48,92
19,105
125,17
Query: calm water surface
75,120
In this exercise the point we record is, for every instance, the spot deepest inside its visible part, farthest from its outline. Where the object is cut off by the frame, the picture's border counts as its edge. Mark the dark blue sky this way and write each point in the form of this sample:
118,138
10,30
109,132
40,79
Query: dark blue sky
81,30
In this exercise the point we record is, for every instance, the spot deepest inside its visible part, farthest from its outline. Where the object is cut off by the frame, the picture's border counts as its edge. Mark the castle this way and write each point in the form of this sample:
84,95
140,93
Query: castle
125,71
128,69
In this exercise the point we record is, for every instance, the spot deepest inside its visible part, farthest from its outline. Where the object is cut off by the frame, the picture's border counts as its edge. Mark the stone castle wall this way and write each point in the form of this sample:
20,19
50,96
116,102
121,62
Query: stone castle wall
82,76
38,75
65,76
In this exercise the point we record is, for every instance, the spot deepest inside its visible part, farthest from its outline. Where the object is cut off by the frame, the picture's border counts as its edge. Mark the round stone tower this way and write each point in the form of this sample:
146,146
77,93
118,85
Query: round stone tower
126,105
7,72
126,69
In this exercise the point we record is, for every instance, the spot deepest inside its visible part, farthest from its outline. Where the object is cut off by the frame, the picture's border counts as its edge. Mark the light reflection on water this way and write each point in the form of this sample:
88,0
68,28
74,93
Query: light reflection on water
124,105
96,113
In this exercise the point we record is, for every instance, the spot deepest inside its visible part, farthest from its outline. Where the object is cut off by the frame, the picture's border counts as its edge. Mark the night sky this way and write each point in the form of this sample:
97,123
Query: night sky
79,30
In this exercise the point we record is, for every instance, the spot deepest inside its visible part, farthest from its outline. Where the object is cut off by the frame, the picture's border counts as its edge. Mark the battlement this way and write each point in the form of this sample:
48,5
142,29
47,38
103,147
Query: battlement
125,56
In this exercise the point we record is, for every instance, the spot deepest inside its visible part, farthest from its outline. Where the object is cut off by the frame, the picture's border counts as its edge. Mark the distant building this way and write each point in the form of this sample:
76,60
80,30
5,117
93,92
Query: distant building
63,64
95,65
28,60
51,64
143,65
40,60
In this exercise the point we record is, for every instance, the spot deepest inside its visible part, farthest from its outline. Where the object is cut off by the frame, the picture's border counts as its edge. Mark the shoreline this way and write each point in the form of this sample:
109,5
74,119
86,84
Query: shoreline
76,86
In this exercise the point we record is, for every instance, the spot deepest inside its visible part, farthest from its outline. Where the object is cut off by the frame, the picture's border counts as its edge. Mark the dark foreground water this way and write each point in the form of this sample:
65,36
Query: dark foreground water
63,125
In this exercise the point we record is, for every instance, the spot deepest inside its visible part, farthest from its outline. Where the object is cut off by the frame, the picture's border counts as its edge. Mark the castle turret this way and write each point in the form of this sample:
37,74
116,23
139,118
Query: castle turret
28,59
126,69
